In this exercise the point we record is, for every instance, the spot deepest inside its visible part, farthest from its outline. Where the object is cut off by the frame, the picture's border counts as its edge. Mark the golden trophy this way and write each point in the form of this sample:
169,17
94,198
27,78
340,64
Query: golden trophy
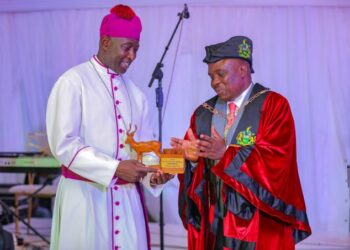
170,160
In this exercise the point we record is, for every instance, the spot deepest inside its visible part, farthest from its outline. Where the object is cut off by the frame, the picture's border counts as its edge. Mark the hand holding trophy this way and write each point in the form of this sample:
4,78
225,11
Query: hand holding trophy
171,160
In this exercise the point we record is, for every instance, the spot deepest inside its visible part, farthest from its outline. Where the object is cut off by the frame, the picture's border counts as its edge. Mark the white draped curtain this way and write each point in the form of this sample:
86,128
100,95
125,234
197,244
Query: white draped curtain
300,51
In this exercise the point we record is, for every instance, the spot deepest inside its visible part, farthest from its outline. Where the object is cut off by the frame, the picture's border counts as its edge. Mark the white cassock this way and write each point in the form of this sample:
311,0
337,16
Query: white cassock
88,113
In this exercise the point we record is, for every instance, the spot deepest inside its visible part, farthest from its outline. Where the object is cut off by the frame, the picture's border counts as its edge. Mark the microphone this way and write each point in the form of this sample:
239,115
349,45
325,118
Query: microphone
157,73
186,14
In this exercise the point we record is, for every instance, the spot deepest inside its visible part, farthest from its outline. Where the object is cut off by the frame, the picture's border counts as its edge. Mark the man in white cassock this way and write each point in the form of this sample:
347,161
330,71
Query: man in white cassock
99,202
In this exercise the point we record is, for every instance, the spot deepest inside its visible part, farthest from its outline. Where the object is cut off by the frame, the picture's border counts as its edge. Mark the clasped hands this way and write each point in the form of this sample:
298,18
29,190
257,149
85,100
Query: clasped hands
134,171
205,146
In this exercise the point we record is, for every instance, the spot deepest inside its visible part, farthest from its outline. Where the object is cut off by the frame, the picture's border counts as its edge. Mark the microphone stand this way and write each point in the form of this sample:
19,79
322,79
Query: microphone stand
158,74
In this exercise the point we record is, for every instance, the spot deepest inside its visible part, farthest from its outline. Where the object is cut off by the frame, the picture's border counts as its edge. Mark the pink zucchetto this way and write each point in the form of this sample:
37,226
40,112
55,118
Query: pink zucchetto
121,22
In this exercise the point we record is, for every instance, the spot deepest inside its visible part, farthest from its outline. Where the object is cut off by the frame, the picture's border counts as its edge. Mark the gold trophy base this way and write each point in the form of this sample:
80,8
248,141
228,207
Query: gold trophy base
171,161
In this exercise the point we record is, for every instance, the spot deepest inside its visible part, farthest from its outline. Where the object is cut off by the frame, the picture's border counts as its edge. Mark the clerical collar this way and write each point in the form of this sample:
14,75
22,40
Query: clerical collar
239,100
103,68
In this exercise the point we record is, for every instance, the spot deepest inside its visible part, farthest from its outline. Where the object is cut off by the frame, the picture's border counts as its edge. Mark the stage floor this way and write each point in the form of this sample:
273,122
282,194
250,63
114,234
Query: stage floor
175,238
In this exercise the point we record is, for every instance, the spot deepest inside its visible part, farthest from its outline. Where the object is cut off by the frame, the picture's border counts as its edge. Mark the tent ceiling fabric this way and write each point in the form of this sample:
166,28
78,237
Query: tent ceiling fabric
44,5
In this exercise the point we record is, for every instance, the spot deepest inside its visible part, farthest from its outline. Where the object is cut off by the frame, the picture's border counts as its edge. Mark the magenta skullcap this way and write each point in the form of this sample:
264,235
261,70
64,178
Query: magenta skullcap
121,22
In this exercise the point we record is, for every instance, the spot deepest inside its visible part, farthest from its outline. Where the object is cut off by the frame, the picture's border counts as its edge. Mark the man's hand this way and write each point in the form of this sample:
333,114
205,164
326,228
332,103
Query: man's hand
190,147
212,147
132,170
160,178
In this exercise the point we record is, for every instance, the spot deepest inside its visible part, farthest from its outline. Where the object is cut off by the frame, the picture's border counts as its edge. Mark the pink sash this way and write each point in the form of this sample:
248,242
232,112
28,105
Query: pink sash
67,173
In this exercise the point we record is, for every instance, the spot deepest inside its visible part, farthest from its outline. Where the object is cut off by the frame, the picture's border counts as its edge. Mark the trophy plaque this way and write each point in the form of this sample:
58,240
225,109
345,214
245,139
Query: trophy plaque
172,161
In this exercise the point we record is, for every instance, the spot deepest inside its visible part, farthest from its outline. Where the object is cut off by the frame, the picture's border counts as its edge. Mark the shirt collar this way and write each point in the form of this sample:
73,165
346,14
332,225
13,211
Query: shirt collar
239,100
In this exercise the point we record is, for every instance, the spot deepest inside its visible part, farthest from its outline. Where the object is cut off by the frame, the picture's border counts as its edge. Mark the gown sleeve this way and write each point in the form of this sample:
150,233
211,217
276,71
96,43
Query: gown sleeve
63,122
